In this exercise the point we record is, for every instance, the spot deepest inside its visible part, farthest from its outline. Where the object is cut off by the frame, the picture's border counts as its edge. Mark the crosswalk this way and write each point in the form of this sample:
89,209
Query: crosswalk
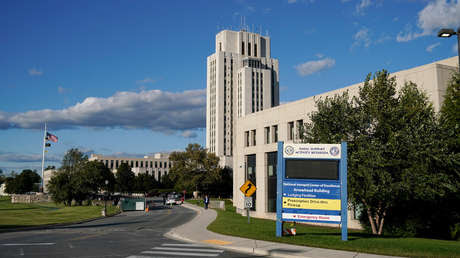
179,250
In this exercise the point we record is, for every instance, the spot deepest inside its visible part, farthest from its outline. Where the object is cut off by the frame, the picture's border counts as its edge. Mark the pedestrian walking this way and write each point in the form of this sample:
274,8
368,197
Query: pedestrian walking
206,201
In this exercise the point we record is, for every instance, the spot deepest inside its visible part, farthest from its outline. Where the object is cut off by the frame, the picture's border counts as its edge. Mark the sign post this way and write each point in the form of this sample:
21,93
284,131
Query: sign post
312,185
248,189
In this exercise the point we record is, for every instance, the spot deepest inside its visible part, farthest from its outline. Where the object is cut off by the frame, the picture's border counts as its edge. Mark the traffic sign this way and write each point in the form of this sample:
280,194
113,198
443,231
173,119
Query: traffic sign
248,188
247,202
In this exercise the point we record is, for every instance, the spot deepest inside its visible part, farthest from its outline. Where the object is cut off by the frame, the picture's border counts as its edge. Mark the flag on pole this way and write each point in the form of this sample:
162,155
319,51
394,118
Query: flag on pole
51,137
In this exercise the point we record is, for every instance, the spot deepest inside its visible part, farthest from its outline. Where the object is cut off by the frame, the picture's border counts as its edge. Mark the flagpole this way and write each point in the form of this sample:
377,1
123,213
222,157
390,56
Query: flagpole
43,158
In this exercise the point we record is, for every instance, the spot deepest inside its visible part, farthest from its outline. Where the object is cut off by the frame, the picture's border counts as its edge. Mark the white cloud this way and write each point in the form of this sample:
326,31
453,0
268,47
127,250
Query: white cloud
361,38
15,157
35,72
157,110
431,47
437,14
312,67
147,80
189,134
362,6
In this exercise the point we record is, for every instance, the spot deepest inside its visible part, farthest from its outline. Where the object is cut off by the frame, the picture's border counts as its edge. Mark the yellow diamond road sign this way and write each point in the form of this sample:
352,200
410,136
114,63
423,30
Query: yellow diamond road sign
248,188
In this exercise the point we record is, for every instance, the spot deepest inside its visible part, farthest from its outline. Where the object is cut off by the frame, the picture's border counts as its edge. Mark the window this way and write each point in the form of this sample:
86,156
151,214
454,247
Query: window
290,131
299,125
251,174
137,164
271,158
255,50
220,46
156,165
246,138
142,164
116,163
253,134
161,164
111,164
249,49
267,134
275,133
242,48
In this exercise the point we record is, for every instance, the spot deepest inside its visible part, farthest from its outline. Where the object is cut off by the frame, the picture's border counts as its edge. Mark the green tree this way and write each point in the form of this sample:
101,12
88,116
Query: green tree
391,137
73,159
23,183
194,169
2,177
90,180
145,183
60,187
125,178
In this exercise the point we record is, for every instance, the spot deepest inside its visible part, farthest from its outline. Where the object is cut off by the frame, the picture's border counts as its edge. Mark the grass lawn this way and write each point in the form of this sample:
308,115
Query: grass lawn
26,215
228,222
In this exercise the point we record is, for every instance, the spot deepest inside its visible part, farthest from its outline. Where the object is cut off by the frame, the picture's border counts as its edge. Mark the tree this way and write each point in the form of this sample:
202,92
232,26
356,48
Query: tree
90,179
125,178
2,177
60,187
194,169
23,183
390,141
73,158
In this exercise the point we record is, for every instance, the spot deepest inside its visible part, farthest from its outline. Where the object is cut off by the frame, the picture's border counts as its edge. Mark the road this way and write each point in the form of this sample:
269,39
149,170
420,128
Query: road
131,234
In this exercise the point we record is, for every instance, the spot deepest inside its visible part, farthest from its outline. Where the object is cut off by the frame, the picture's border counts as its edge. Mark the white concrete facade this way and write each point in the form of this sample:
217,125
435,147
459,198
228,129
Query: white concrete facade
242,78
257,133
157,165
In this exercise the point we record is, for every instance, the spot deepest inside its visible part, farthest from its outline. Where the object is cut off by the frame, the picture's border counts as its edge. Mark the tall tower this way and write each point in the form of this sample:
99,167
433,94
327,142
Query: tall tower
242,78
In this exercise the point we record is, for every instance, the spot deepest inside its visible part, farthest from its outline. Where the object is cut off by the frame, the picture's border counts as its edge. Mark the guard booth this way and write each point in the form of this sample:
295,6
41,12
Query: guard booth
132,204
312,185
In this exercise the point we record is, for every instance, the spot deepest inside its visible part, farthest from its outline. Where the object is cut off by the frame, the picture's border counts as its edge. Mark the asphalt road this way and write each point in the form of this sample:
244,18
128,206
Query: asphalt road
131,234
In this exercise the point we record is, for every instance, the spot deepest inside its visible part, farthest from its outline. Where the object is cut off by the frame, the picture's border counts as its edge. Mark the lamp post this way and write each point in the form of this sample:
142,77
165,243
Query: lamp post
105,198
447,33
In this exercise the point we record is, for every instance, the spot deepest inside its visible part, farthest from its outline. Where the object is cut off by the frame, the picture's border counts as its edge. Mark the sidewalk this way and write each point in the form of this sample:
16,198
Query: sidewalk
195,231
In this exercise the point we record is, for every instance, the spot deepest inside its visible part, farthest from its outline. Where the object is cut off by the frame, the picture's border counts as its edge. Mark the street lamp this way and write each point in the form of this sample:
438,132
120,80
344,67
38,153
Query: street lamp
447,33
105,198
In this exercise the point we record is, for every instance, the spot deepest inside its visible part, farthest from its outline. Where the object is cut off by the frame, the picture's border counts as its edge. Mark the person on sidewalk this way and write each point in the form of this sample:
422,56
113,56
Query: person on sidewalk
206,201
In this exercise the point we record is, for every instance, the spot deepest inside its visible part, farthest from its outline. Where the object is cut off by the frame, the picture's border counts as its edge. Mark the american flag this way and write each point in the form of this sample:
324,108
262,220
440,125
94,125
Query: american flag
51,137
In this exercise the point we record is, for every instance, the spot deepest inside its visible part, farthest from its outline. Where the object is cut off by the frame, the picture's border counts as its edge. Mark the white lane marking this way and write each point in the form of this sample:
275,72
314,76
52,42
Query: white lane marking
189,249
189,245
21,252
20,244
181,253
140,256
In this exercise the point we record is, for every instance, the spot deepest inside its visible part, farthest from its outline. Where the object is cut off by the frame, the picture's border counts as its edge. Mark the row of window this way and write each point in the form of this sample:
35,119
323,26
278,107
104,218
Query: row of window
271,133
115,164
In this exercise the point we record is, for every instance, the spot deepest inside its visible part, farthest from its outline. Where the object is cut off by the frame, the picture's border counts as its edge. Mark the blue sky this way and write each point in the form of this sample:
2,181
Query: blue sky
129,77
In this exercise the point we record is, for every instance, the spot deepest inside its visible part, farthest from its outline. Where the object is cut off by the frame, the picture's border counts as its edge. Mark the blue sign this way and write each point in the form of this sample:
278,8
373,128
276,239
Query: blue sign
312,184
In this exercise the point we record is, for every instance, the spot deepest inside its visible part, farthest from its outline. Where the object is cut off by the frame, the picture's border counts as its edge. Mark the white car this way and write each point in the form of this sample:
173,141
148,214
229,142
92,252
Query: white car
173,199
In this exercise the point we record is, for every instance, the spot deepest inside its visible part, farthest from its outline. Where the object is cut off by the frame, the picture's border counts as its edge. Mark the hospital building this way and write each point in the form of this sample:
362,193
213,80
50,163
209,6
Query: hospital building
244,119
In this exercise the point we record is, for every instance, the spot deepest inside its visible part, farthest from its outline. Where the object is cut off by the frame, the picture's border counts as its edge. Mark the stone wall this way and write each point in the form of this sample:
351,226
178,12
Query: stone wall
30,198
